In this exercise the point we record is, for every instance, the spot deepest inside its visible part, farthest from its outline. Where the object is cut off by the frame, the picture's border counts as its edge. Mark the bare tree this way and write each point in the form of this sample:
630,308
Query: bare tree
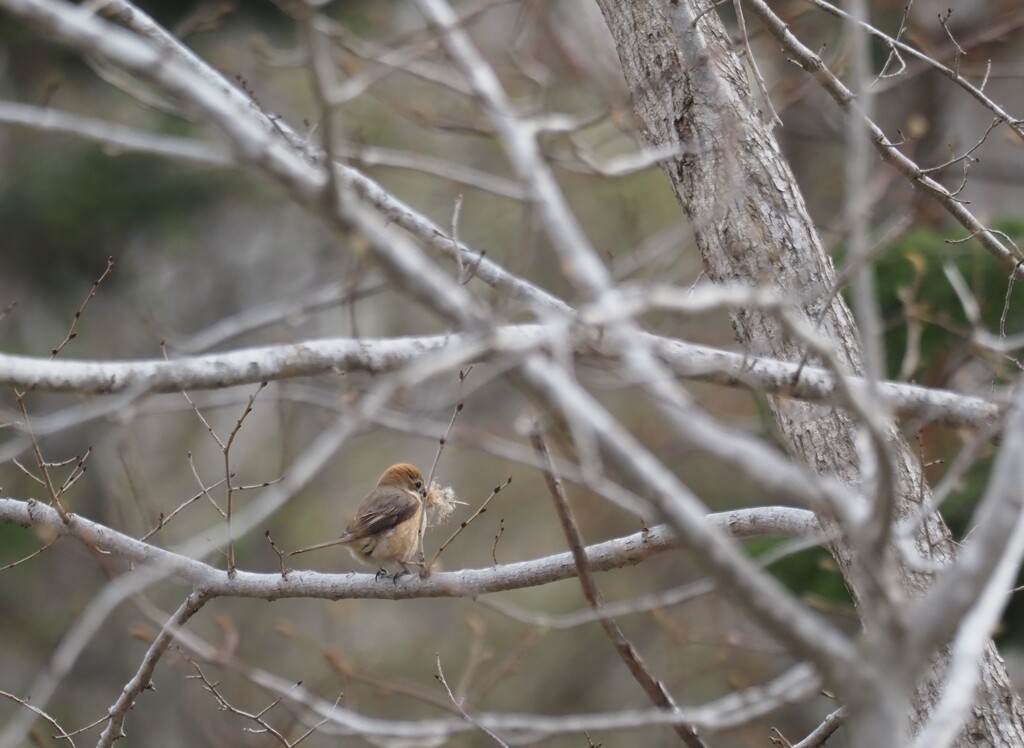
555,339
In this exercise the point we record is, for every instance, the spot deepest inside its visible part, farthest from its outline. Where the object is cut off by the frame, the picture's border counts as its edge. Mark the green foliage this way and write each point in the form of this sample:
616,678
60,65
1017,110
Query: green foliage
913,289
812,574
16,543
64,210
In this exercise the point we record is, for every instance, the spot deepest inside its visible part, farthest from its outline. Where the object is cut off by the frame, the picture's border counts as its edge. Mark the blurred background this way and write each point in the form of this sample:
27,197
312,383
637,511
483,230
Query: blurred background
196,245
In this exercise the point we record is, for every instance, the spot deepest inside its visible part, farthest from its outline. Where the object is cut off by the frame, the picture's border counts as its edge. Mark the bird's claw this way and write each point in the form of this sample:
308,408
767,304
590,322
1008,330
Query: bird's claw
381,572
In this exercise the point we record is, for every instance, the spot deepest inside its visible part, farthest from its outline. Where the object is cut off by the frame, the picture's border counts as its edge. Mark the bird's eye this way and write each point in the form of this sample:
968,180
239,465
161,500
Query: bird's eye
419,484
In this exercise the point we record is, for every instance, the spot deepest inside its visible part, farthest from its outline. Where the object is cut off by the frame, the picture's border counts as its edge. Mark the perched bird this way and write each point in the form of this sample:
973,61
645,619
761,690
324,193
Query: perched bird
386,528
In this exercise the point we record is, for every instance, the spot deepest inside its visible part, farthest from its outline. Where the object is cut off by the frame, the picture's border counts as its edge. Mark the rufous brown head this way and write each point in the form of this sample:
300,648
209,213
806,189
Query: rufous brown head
405,476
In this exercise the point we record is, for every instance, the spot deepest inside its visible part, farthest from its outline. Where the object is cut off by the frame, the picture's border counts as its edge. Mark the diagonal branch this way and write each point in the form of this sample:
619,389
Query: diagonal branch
653,687
143,679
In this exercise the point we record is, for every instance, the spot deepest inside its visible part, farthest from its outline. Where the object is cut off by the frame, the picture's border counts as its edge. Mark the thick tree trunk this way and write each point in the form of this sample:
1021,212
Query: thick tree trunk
751,225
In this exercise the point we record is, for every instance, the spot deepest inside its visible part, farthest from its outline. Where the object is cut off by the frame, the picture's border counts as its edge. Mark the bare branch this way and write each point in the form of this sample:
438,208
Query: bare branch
653,687
612,554
253,365
143,679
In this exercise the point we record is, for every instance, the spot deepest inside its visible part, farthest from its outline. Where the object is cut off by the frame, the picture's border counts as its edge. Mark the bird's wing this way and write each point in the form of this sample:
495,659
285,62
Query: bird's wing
381,510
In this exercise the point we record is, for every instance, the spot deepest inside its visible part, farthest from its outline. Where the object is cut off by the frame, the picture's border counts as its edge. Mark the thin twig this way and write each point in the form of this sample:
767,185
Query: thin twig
463,374
62,734
205,491
653,687
463,525
775,120
30,556
437,458
494,549
43,465
228,474
72,331
257,717
163,519
458,705
279,553
316,547
76,473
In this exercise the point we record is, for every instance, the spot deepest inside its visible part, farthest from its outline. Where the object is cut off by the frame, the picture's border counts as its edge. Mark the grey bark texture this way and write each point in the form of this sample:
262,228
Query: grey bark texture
751,225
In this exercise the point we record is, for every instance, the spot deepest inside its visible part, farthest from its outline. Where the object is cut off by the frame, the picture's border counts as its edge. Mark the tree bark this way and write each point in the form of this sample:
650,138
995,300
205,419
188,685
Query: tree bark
751,225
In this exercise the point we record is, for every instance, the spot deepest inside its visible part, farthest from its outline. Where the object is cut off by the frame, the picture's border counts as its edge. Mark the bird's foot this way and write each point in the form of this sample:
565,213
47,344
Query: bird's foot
381,572
402,573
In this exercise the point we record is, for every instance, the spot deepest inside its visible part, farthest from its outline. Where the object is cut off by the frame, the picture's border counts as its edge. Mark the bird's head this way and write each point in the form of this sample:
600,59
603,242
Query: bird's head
405,476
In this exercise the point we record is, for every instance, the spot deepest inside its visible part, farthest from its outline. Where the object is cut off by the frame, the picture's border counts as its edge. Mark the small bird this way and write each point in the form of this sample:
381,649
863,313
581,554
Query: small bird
386,527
